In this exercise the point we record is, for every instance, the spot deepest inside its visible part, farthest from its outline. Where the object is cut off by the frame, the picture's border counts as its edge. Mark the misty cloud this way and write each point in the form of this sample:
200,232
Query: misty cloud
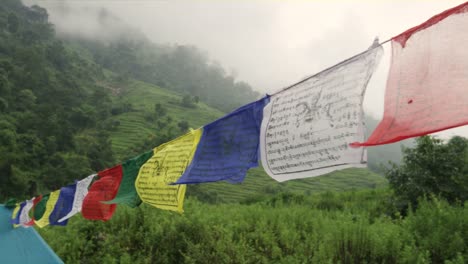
269,44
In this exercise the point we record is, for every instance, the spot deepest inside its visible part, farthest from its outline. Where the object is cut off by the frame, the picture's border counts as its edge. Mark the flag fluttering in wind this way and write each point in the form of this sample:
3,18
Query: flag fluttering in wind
50,205
228,147
80,193
427,86
104,189
63,206
168,163
307,127
15,216
40,208
36,201
127,193
24,218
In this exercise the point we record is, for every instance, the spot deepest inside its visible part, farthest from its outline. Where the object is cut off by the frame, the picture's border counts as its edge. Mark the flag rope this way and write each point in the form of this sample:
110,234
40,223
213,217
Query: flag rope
329,68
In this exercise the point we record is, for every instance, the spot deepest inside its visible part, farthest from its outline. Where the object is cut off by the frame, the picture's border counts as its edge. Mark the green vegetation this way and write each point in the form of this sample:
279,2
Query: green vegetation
51,110
431,168
153,119
352,227
184,69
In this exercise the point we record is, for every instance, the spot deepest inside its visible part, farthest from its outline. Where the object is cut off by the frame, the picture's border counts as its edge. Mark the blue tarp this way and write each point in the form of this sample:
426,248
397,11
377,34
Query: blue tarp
22,245
228,147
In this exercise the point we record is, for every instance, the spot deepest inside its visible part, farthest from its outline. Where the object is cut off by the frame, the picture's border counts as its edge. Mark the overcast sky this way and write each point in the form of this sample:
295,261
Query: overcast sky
269,44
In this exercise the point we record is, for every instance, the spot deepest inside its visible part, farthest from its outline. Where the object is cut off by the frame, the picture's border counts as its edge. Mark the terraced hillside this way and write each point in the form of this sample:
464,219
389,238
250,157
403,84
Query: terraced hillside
134,128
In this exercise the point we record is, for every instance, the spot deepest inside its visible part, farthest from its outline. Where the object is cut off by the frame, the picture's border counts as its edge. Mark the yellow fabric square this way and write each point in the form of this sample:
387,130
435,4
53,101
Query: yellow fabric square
166,166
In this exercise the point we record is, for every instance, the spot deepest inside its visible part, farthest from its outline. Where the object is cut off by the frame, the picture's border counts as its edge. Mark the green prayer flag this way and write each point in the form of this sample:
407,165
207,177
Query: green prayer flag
40,207
127,193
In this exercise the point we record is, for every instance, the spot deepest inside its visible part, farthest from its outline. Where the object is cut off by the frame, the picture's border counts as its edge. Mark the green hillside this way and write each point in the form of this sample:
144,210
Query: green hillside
135,130
135,125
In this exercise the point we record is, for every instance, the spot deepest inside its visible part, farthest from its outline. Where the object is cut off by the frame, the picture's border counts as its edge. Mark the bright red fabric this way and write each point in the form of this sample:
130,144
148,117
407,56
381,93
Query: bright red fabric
427,86
104,189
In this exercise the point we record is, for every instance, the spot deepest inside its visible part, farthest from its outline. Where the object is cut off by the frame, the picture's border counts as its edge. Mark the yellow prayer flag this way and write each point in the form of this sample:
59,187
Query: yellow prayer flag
166,166
15,213
44,221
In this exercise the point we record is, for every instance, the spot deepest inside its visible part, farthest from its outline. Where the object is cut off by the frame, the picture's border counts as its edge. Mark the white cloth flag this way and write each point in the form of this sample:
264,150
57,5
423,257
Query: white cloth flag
24,218
307,128
80,194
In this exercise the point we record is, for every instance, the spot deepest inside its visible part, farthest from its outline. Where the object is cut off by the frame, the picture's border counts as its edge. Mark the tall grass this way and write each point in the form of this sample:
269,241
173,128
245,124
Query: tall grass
350,227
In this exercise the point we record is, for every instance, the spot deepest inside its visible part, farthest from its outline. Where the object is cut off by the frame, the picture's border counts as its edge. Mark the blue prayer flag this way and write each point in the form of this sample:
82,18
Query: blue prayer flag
64,205
228,147
16,220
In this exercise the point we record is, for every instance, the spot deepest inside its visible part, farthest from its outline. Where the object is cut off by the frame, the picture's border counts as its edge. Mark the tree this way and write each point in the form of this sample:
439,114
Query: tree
38,14
183,125
3,105
432,167
187,102
13,23
159,109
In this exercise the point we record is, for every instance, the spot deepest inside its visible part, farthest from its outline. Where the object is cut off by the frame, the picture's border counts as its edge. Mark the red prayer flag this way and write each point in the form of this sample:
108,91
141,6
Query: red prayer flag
35,202
104,189
427,86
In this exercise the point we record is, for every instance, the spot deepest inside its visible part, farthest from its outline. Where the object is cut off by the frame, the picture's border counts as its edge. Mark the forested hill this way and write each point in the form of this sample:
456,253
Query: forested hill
51,110
184,69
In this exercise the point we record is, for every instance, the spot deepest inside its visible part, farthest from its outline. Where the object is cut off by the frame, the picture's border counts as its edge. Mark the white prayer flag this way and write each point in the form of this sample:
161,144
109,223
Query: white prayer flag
307,128
24,218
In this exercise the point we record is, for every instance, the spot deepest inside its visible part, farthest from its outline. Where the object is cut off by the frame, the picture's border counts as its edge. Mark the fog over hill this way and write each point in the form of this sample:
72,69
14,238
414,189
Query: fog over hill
268,44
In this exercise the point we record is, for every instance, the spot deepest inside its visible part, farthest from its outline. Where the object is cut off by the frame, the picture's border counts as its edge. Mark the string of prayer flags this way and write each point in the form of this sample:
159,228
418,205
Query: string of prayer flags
168,163
307,127
50,205
427,83
104,189
228,147
80,193
40,208
127,193
63,206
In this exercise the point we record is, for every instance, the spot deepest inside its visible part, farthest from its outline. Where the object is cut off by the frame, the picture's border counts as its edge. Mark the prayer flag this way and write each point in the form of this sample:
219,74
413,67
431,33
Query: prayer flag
36,201
44,220
16,213
40,208
228,147
104,189
166,166
427,86
127,193
80,194
63,206
307,127
24,218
